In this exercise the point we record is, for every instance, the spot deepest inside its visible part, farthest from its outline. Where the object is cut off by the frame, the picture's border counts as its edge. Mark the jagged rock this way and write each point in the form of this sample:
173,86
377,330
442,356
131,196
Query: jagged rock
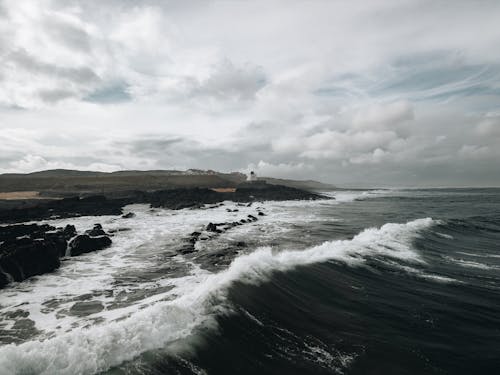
128,215
30,249
252,218
96,231
26,257
84,244
175,199
58,240
211,227
11,232
261,213
67,207
69,231
187,249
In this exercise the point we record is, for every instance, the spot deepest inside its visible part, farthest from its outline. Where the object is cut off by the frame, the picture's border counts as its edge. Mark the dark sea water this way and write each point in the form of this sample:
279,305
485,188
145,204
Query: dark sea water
375,282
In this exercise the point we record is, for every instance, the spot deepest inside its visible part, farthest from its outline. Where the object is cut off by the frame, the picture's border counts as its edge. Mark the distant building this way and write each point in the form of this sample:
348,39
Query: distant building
252,177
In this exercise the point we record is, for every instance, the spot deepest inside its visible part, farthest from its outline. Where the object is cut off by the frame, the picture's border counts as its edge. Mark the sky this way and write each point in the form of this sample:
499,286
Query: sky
355,93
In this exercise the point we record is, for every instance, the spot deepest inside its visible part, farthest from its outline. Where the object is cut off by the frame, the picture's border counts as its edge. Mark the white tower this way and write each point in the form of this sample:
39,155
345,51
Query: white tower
252,177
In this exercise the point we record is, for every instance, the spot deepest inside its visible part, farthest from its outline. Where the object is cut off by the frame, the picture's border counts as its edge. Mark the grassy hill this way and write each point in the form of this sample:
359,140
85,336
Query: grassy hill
62,182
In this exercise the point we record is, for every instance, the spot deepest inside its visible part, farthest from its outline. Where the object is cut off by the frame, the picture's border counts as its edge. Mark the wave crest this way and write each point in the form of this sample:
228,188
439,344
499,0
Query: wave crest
99,347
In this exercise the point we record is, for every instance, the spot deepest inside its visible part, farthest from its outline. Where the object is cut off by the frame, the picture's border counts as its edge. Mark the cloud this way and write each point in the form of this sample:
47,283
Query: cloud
33,163
384,92
489,126
377,116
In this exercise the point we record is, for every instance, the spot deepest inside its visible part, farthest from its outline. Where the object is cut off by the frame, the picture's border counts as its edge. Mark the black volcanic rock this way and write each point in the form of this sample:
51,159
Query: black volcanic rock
246,193
26,257
211,227
69,231
173,199
30,249
96,231
67,207
11,232
85,244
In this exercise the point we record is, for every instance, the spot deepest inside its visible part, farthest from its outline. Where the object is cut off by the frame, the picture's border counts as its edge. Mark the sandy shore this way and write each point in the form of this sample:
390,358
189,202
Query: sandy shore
21,195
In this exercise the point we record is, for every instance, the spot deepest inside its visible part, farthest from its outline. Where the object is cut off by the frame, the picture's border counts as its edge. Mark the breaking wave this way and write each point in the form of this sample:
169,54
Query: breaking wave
198,298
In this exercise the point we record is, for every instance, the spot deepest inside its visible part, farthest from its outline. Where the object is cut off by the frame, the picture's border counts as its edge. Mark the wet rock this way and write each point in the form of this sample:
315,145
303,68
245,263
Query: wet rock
187,249
216,260
96,231
11,232
58,240
84,244
86,308
252,218
128,215
26,257
69,231
211,227
67,207
261,213
30,249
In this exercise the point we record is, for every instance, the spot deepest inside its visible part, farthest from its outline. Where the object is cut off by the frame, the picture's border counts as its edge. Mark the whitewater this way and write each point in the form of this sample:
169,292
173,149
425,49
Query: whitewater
140,295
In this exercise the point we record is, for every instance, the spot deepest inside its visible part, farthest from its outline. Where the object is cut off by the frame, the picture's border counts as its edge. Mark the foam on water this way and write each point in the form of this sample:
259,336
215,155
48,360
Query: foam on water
343,196
195,298
471,264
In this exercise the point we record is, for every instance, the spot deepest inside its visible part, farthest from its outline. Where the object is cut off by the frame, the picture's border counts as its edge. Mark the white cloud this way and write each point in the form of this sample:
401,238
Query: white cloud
489,127
340,90
33,163
377,116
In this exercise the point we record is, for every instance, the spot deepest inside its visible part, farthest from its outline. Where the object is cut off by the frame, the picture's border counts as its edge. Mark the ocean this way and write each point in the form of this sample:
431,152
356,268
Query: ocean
373,282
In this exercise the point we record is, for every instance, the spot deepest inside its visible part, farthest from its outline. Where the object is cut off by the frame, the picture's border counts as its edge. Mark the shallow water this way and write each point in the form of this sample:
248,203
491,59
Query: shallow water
393,281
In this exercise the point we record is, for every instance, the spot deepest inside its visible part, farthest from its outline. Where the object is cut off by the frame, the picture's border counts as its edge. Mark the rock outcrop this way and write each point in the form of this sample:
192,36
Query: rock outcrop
26,257
62,208
192,198
84,243
174,199
28,250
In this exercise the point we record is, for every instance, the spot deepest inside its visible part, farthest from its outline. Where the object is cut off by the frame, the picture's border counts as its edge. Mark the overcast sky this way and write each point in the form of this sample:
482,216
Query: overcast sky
368,93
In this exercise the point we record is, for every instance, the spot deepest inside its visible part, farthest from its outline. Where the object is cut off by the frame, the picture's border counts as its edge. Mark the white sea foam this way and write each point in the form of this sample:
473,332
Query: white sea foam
444,235
353,195
479,255
471,264
194,300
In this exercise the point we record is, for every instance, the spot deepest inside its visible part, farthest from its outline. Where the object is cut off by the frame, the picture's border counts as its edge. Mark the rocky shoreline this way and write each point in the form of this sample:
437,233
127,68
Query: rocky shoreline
28,250
175,199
